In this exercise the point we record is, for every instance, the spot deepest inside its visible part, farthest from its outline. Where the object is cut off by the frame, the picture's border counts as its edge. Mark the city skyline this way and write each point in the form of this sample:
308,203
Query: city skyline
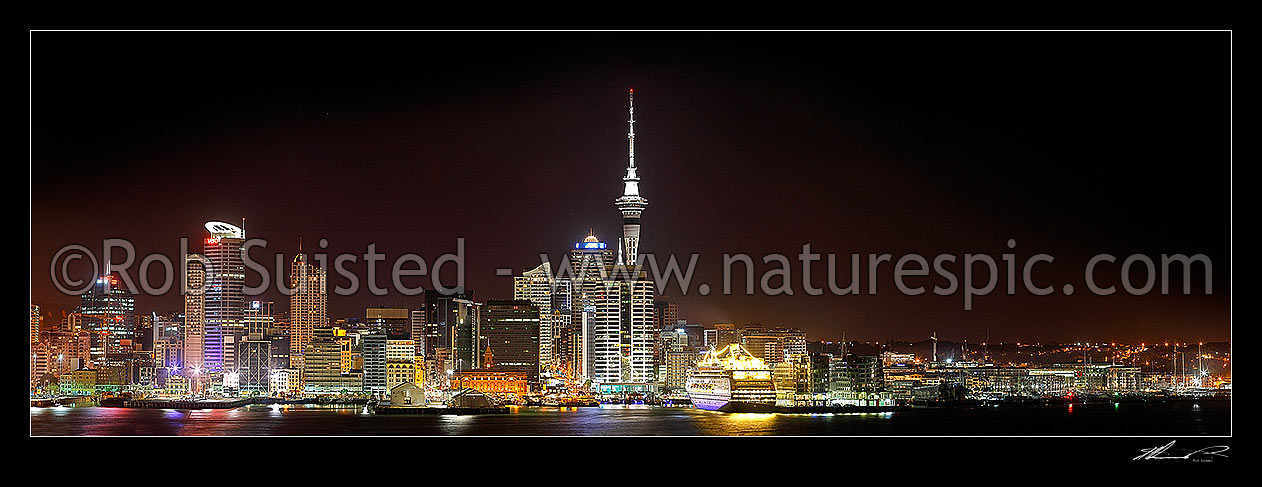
916,237
714,192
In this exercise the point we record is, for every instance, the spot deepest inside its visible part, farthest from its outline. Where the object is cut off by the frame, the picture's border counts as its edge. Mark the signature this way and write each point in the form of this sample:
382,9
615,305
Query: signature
1158,453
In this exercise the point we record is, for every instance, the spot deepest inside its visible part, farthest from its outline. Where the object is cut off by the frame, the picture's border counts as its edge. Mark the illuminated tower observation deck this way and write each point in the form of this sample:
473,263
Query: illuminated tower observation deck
631,204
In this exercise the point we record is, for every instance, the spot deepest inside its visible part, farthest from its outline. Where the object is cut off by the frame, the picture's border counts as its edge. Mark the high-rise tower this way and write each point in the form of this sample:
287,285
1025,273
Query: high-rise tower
537,285
108,311
194,319
631,204
225,301
308,309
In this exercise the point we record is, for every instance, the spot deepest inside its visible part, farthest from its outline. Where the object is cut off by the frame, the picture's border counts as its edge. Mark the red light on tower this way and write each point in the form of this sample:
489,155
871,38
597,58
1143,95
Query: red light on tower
632,90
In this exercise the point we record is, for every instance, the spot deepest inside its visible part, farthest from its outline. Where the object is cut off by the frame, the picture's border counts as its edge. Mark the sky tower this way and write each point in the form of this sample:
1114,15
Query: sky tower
631,204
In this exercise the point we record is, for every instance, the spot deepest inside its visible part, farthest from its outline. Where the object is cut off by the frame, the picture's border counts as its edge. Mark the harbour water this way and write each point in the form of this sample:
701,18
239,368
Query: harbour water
1173,418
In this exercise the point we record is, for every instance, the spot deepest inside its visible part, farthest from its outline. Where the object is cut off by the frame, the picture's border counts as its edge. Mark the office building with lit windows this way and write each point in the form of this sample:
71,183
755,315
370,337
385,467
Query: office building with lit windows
308,311
225,299
108,312
511,328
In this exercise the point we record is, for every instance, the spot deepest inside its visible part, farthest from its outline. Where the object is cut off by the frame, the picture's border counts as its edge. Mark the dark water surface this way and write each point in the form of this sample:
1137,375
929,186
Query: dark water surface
1211,417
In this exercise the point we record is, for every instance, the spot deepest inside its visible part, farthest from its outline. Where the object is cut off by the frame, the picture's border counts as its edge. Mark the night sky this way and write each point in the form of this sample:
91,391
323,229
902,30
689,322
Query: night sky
1072,144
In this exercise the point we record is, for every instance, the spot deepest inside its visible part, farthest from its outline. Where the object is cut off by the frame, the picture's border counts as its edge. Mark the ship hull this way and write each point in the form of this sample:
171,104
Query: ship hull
728,406
709,404
748,407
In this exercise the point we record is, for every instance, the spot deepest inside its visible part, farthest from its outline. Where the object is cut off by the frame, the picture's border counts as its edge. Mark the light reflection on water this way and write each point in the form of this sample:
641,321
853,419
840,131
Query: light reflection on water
297,420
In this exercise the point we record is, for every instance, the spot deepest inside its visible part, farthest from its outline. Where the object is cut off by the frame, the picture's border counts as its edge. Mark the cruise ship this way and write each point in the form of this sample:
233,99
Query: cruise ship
732,380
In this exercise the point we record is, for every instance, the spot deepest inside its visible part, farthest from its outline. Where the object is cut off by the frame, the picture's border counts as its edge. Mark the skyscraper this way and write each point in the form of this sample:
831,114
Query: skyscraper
35,319
375,357
589,264
418,331
254,357
467,335
168,345
108,311
442,314
536,285
565,336
194,317
225,301
631,204
308,309
624,339
512,336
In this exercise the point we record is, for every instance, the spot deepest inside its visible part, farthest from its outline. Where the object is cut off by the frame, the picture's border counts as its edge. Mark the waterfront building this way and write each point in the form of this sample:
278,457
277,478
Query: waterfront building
323,369
407,394
81,382
58,352
818,367
176,386
1123,379
499,382
400,373
855,379
278,382
43,370
1052,380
